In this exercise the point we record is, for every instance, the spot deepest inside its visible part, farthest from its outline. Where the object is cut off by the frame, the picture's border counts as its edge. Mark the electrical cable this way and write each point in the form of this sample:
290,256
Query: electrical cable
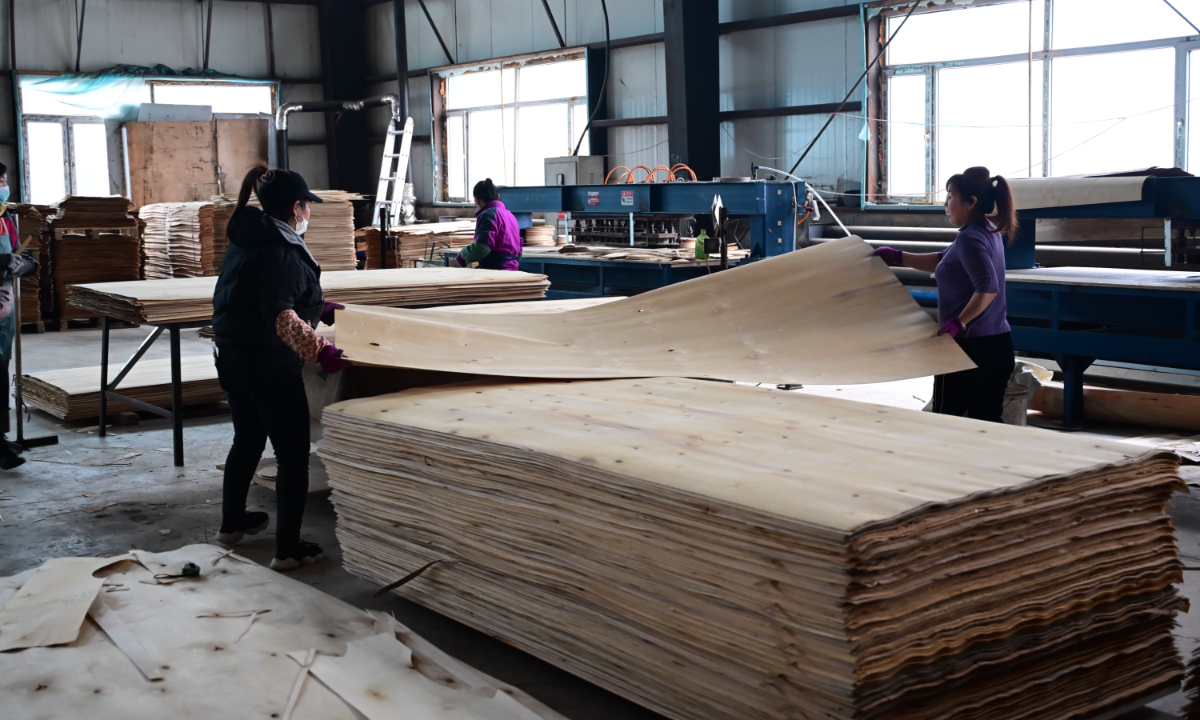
1180,14
858,82
604,84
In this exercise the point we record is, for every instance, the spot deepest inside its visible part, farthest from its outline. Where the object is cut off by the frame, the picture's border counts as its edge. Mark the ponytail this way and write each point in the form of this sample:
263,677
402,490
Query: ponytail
993,198
275,204
249,184
486,191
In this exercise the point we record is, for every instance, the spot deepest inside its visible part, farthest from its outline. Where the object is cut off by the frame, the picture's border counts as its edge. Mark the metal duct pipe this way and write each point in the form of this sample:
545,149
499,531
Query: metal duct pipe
281,115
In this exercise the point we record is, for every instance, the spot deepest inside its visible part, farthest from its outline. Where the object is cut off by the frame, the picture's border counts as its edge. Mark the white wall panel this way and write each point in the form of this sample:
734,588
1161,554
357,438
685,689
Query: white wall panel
637,145
637,82
310,161
297,41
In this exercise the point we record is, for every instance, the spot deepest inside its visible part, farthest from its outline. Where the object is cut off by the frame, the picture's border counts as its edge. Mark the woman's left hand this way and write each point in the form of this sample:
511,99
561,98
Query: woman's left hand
327,313
953,327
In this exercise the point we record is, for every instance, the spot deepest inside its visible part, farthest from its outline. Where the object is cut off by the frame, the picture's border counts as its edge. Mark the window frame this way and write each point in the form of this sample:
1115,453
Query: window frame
439,78
877,159
153,83
70,171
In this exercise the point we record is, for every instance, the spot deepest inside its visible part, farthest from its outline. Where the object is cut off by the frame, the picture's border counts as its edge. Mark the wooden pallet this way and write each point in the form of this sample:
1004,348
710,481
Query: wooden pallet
77,324
33,328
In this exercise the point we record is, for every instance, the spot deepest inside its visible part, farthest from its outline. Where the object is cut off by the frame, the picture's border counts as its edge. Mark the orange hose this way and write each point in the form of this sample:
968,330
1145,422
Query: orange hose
677,166
656,169
610,172
801,220
635,167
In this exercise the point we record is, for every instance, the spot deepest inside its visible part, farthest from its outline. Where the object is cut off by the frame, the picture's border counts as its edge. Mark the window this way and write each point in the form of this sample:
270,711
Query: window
1033,88
222,97
503,120
65,156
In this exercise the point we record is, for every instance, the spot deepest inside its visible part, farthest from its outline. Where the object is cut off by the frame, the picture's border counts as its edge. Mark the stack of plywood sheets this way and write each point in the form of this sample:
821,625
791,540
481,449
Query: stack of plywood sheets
330,236
178,240
75,394
418,242
540,236
722,552
190,299
223,206
156,241
92,259
109,212
32,235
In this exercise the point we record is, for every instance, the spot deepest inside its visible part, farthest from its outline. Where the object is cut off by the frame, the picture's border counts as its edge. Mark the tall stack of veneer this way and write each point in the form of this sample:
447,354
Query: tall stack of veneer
178,240
223,206
722,552
32,229
94,239
423,241
330,236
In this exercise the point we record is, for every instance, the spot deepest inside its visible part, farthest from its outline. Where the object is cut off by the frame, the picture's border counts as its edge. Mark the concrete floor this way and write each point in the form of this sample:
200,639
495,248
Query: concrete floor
93,496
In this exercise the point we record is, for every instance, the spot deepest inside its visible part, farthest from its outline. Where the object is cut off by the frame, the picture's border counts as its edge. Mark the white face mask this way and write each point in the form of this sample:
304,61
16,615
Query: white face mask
301,227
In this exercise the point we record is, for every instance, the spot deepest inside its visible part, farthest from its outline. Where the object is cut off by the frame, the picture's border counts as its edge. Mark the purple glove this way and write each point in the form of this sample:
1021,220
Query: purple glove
331,360
327,313
952,328
891,256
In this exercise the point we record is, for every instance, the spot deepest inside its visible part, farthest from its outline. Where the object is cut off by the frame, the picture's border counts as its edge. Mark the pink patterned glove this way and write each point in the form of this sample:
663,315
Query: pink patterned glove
331,360
953,327
327,313
890,255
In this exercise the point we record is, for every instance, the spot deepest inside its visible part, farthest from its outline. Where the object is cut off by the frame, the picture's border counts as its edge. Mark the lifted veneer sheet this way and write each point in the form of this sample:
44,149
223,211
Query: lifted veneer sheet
828,314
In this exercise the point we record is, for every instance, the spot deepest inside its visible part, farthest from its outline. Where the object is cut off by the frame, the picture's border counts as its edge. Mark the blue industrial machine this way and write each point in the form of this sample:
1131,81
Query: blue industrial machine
762,216
1140,317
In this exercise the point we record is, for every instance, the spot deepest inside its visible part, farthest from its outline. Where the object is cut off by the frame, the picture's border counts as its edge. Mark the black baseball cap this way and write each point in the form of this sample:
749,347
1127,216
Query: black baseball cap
285,187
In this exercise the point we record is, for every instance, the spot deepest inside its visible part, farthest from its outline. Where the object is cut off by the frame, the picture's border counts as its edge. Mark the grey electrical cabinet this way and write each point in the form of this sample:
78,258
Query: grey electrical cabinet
577,170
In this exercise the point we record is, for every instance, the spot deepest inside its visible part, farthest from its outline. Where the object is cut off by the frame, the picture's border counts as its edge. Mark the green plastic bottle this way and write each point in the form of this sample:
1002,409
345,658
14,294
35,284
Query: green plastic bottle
700,242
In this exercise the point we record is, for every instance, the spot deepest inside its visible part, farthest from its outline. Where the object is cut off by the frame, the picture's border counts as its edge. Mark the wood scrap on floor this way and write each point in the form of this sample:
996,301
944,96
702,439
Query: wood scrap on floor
208,670
714,551
829,314
75,394
190,299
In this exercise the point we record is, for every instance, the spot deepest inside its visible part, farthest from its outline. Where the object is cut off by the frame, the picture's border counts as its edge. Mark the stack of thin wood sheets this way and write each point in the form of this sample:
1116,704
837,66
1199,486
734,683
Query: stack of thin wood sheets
540,236
223,206
178,240
75,394
190,299
86,259
330,236
422,241
156,241
722,552
46,265
33,230
108,212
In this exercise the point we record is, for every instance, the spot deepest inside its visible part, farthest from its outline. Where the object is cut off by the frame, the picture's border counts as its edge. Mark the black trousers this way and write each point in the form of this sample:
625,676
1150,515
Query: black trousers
266,400
977,393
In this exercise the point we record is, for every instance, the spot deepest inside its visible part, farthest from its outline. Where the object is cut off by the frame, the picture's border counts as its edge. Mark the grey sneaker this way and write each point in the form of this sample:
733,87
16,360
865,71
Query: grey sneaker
301,554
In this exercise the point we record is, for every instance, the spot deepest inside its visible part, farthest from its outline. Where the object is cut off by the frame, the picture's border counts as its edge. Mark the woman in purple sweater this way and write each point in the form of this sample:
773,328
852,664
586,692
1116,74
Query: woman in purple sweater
971,305
498,242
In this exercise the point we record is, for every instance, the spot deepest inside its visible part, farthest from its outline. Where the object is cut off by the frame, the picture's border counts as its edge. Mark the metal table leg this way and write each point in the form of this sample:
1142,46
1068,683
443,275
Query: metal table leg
104,327
1073,367
177,396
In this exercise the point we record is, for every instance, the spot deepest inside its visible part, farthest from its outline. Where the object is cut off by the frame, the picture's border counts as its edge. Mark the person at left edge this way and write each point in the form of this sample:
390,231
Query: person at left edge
265,310
11,265
498,242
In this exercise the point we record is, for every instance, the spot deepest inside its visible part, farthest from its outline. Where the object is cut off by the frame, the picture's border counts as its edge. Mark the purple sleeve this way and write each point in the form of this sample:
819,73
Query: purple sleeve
976,259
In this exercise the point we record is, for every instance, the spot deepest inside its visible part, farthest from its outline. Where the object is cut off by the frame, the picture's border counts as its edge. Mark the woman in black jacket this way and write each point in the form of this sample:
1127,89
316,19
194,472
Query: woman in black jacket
265,310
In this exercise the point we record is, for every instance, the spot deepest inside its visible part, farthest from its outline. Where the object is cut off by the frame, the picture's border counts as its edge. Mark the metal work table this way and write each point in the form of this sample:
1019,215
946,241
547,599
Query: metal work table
108,390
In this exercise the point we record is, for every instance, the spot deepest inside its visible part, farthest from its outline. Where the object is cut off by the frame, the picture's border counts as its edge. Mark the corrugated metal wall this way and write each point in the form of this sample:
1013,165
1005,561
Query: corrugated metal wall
171,32
804,64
